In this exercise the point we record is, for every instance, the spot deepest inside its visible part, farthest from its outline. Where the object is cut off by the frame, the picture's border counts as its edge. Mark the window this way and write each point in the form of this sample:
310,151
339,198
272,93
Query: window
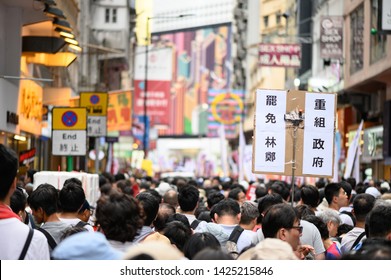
357,39
266,21
378,42
107,15
110,15
114,17
278,18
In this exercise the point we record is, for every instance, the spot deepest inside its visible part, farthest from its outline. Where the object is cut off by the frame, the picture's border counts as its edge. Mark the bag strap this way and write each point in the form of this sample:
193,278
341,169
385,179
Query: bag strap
235,234
81,224
195,224
26,244
52,243
357,240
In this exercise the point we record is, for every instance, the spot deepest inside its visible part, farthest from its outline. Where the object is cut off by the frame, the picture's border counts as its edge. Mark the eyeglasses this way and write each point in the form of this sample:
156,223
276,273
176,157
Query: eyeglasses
299,228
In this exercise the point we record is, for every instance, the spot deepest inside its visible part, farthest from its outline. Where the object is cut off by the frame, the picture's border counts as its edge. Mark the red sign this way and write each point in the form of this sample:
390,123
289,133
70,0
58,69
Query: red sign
279,55
158,101
26,157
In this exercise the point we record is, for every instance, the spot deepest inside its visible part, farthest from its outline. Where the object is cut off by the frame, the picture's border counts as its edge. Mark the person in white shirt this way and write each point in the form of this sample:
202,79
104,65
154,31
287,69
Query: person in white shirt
14,233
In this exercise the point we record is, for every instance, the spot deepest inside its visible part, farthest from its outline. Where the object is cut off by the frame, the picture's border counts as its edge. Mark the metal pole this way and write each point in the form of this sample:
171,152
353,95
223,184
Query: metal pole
293,164
97,155
146,88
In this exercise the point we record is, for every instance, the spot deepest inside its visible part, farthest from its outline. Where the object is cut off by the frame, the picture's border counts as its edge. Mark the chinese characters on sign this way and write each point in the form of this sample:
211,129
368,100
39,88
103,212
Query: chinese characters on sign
269,146
319,134
279,55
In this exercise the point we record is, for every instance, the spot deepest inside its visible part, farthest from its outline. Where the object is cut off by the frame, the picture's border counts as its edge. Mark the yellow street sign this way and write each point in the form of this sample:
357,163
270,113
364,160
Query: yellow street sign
69,118
95,102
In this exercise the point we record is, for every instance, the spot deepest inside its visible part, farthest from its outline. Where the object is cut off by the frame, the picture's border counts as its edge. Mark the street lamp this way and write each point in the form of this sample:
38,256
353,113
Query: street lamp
145,137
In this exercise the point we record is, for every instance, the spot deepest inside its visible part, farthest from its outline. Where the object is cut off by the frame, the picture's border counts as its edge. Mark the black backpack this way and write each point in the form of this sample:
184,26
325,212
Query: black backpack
231,245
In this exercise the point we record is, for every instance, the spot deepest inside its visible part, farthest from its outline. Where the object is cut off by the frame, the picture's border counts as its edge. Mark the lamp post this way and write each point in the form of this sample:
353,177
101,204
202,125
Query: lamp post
145,136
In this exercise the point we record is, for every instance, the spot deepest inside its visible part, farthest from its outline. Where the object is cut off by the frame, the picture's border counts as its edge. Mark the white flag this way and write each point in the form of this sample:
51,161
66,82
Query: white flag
223,150
352,152
242,144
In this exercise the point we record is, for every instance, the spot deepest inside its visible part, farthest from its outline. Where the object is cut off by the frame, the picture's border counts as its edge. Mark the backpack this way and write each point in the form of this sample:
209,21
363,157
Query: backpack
81,224
195,224
231,246
52,243
26,244
350,214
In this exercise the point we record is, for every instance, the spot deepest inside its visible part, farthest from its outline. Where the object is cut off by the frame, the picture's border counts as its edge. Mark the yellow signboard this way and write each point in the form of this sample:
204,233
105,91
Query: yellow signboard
68,118
119,111
95,102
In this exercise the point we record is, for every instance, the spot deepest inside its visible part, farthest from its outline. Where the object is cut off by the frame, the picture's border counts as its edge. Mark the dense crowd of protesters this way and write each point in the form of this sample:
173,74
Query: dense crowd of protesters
191,218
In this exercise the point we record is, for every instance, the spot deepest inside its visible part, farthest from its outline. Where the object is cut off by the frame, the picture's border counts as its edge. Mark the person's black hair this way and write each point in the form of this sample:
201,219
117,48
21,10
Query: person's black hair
346,187
303,210
188,198
205,216
343,229
227,207
379,221
282,188
45,197
200,209
178,234
199,241
125,187
363,203
150,205
119,176
260,192
155,193
71,196
119,216
213,198
109,177
73,180
179,217
8,170
18,201
352,182
212,254
234,193
30,174
71,231
165,210
106,188
237,185
309,195
371,249
278,216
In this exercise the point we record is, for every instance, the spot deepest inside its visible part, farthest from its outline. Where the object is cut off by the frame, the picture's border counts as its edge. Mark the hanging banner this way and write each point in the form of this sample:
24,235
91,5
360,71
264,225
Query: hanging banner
331,37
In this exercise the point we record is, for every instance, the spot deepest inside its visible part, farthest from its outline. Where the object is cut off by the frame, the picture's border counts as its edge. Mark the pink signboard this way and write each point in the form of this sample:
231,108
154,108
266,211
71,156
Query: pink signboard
157,98
279,55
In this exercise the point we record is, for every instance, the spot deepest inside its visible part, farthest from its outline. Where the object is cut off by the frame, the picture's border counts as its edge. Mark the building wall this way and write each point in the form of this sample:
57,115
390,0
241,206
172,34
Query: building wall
379,71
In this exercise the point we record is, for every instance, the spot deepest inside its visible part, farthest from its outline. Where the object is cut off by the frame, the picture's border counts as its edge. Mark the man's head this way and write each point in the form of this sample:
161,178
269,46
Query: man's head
43,202
8,171
188,198
309,195
335,196
150,205
29,178
238,195
379,221
281,221
71,196
281,188
119,216
362,205
249,215
227,211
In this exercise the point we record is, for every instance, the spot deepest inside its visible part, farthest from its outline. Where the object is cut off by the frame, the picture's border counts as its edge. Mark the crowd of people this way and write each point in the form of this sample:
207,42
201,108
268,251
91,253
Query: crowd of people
194,219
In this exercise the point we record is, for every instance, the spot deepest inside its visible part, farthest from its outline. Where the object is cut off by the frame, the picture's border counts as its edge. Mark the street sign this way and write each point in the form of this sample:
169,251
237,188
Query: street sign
69,142
69,135
69,118
96,105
